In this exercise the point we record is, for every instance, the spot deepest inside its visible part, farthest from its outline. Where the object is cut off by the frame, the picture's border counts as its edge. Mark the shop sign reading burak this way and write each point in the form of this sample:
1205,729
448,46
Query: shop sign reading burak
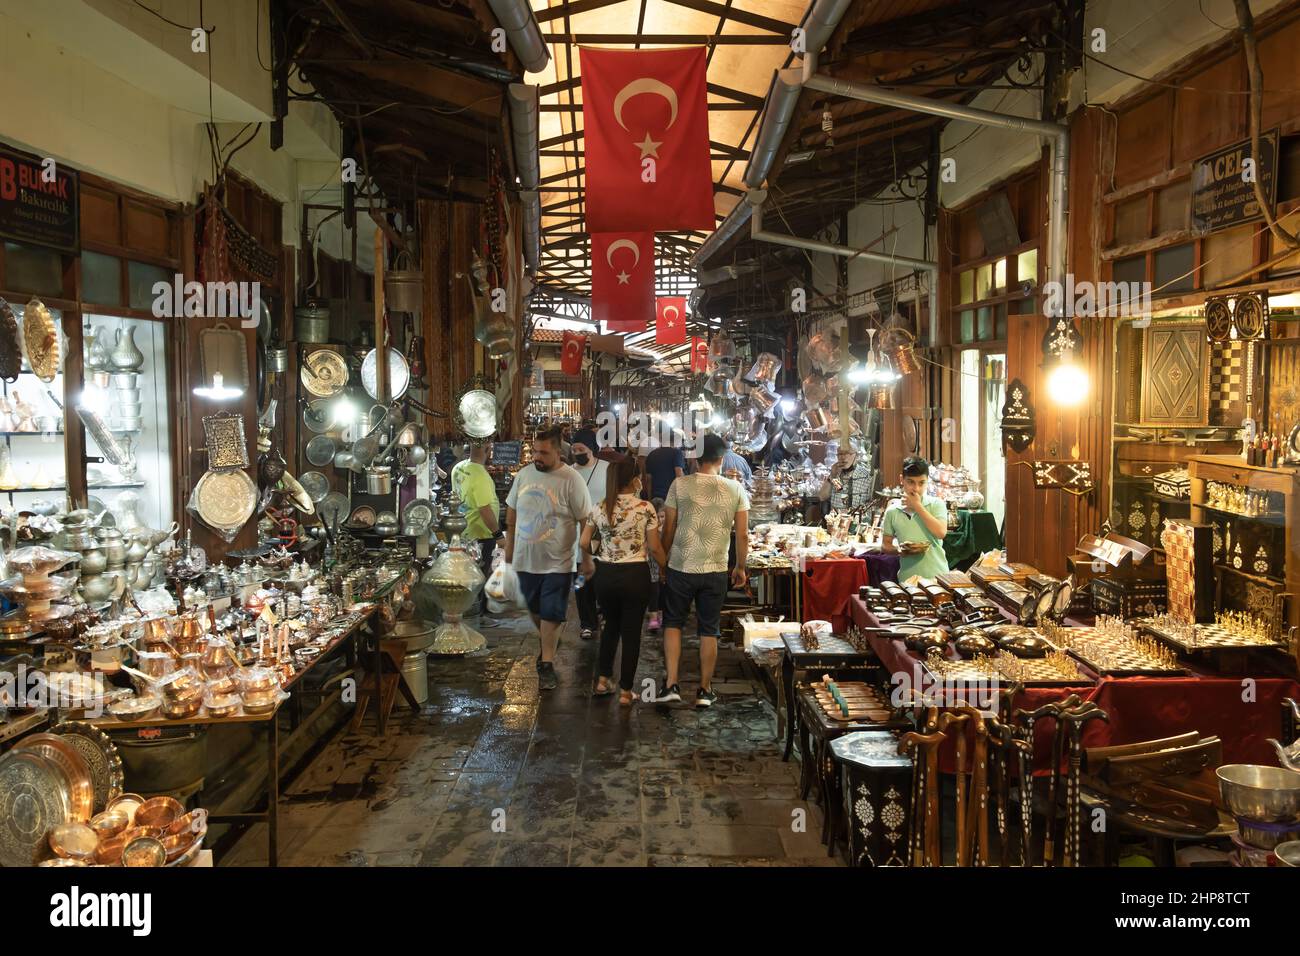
38,201
1223,184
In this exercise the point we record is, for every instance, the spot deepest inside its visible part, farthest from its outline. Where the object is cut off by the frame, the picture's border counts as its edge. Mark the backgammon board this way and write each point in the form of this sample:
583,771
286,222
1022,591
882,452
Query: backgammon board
847,701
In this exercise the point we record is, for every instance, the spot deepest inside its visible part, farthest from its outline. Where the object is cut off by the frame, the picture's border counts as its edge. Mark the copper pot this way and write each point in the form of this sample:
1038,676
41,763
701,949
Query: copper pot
880,397
900,346
814,389
765,369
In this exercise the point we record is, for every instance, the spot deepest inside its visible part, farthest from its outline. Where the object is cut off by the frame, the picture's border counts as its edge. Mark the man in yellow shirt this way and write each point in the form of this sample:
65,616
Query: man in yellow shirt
477,491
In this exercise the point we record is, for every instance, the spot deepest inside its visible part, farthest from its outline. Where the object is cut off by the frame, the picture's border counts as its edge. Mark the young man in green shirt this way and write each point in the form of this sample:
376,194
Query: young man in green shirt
471,481
916,527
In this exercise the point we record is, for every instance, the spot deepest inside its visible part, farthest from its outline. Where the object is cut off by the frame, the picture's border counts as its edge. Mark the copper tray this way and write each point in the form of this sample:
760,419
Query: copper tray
33,800
81,789
101,757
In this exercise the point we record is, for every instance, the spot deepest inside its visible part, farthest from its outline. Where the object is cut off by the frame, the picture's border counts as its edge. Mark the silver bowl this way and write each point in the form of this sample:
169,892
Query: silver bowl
1256,792
1288,854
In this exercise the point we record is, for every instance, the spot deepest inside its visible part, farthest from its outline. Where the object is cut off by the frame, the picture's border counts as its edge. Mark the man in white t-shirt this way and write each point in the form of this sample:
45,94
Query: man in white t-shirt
699,514
595,473
548,502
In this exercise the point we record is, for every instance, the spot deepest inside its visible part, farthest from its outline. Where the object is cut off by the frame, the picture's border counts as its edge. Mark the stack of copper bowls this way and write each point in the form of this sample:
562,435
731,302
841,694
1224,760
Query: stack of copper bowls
182,693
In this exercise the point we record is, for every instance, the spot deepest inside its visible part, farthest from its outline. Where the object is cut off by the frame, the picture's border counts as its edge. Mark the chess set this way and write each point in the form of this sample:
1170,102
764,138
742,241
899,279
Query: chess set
851,700
1231,630
809,640
1115,649
1056,669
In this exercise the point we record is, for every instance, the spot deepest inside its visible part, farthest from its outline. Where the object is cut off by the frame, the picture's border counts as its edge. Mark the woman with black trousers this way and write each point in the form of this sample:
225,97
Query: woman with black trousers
622,534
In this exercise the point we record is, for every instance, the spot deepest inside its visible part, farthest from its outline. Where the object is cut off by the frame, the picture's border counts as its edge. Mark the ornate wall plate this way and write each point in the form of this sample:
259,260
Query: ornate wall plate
316,485
316,416
324,373
225,499
334,507
399,376
101,756
227,445
417,517
476,413
33,800
41,339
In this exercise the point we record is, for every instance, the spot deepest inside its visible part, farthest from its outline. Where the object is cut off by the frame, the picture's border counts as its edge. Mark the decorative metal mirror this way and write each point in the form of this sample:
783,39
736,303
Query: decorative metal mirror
476,409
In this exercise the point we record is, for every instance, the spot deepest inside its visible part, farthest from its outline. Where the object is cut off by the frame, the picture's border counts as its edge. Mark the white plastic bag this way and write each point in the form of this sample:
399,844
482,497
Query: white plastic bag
503,586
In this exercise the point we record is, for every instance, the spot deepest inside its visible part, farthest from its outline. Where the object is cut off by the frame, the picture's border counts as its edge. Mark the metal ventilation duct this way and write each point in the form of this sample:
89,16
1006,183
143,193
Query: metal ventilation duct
781,99
524,116
525,36
821,22
532,205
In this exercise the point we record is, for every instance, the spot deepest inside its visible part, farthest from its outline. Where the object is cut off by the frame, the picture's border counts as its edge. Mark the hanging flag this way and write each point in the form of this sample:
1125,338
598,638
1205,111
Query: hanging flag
670,320
699,354
645,117
623,280
571,353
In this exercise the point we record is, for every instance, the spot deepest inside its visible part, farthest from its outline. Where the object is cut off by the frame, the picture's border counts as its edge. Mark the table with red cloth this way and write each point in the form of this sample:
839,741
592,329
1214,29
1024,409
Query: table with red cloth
1242,713
881,566
828,585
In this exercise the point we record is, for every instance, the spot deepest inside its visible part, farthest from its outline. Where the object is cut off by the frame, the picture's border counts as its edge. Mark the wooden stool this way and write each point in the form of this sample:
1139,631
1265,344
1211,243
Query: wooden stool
875,782
390,679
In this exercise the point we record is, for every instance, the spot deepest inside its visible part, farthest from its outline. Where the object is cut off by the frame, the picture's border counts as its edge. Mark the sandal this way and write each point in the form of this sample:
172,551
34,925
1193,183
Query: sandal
603,688
626,698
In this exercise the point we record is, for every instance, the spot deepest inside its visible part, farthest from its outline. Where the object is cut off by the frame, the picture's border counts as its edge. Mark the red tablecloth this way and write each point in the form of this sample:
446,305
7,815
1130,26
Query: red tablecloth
1243,713
827,587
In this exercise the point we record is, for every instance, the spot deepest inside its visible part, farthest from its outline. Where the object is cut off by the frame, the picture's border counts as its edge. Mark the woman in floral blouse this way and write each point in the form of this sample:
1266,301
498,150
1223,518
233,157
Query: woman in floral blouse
622,533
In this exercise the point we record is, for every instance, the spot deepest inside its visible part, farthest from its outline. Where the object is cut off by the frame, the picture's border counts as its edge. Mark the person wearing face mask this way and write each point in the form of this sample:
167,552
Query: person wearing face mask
595,473
547,502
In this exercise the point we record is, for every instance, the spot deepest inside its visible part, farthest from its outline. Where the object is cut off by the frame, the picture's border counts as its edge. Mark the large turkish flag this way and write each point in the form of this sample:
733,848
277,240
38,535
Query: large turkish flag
645,116
623,280
670,320
699,354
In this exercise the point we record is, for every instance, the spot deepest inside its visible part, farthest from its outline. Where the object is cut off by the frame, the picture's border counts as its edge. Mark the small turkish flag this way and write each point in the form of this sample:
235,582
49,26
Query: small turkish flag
670,320
571,353
699,354
645,116
623,280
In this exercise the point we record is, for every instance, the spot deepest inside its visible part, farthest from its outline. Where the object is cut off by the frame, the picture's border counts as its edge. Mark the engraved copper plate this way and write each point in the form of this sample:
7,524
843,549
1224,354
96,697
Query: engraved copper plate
227,446
41,339
33,800
324,373
101,756
81,790
225,499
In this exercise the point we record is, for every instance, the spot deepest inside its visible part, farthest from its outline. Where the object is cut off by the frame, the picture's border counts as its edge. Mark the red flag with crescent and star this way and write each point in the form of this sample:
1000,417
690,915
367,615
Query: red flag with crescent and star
670,320
623,280
645,117
571,353
699,354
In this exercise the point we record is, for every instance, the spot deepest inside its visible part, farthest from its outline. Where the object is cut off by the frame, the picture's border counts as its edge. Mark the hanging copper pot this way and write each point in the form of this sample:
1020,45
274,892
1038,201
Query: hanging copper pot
814,388
817,419
899,345
740,387
721,349
764,400
820,349
880,396
765,369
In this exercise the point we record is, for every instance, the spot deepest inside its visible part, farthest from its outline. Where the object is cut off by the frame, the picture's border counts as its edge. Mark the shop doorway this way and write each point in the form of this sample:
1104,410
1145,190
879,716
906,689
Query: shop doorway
983,390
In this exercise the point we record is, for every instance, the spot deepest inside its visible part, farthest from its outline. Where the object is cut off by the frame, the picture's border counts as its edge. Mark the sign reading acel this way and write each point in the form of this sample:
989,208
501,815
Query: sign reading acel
38,201
1223,184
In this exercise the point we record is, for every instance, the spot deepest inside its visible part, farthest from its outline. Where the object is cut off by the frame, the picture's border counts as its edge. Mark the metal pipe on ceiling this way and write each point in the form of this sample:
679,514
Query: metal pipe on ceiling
821,21
523,33
524,124
755,199
1057,135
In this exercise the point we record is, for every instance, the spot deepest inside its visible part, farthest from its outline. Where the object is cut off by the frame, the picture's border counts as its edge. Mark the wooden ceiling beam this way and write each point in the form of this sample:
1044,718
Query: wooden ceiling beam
571,8
474,95
728,12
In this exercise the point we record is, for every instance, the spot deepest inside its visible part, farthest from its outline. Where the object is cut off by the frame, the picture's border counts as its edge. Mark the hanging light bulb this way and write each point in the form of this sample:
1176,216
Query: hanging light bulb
1067,382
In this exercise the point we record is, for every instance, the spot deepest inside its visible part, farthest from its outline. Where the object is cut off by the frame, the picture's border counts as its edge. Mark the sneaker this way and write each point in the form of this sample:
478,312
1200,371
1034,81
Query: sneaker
587,633
546,677
672,694
705,697
656,621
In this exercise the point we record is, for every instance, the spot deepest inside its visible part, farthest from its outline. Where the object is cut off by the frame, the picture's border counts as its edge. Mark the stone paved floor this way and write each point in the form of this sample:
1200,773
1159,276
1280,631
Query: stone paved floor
492,774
